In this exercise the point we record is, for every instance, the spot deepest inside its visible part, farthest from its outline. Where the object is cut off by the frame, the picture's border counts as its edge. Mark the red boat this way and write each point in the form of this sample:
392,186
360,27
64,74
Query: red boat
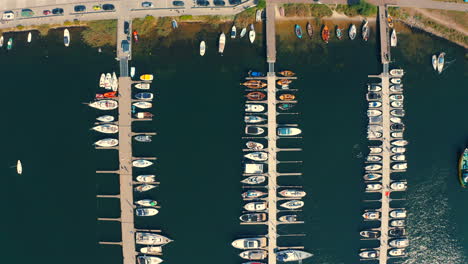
106,95
325,34
135,35
256,96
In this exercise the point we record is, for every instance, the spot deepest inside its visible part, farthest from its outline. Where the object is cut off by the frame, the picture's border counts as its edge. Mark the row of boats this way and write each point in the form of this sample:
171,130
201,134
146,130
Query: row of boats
438,62
233,35
255,249
66,40
339,32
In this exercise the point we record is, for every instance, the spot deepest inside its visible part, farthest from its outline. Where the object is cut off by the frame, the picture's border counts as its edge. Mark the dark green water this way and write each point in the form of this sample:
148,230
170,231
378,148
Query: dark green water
51,209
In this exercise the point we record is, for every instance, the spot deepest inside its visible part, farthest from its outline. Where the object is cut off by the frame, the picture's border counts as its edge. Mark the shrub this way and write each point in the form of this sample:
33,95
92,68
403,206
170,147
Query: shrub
186,17
20,27
100,33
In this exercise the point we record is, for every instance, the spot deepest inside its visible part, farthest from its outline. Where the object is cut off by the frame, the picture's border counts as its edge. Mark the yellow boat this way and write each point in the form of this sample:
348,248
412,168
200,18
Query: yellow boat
287,97
286,73
146,77
283,82
390,21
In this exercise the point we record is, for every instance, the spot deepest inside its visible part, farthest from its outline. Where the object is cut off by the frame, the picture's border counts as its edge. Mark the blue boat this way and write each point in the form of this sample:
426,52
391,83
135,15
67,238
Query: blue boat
285,106
288,131
174,24
255,74
463,169
144,96
298,31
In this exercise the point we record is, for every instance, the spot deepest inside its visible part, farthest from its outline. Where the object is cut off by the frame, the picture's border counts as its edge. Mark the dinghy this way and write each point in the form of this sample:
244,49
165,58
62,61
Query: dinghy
202,48
66,38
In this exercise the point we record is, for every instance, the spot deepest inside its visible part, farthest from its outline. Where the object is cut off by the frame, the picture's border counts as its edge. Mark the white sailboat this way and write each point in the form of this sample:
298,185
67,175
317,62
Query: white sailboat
108,81
29,37
107,142
393,39
243,32
252,34
19,167
1,41
202,48
66,37
115,82
222,43
102,80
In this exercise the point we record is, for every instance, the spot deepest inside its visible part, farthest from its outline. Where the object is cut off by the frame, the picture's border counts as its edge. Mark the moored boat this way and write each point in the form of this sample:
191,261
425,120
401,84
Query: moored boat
221,43
288,131
202,48
1,41
151,250
147,77
106,128
106,95
107,142
286,73
395,80
400,142
365,30
145,178
397,72
369,254
66,37
252,34
292,255
256,96
148,260
372,176
144,96
398,150
10,44
372,187
400,166
174,24
254,108
339,33
310,30
142,86
352,32
256,206
144,187
254,180
105,118
141,163
132,72
253,217
396,88
371,215
373,167
254,145
252,194
398,223
292,193
143,138
254,84
19,167
397,252
253,130
147,202
298,31
293,204
287,97
108,81
258,15
434,62
143,105
370,234
375,104
135,36
142,115
325,34
146,238
393,38
257,156
146,211
288,218
250,119
440,62
399,243
243,32
250,243
463,168
390,21
284,82
101,80
233,32
254,254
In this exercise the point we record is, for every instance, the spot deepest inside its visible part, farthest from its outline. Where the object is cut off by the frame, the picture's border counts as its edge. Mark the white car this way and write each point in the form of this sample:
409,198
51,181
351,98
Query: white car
8,15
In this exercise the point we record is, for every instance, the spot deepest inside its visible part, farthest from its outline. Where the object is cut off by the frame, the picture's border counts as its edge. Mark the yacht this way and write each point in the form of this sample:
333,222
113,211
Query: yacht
373,167
399,243
145,238
142,115
254,145
397,127
374,112
372,158
397,97
141,163
398,223
255,108
146,211
397,72
398,186
104,104
400,166
253,194
253,217
370,234
395,120
66,37
146,202
257,156
395,80
293,204
396,104
145,178
254,180
371,215
398,157
400,143
144,187
372,176
372,187
292,255
393,38
375,150
151,250
396,88
398,112
398,213
375,104
101,80
107,129
253,130
398,150
250,119
397,232
143,138
396,134
254,254
107,142
369,254
288,131
148,260
292,193
373,88
105,118
233,32
397,252
250,243
222,43
288,218
144,96
143,105
256,206
142,86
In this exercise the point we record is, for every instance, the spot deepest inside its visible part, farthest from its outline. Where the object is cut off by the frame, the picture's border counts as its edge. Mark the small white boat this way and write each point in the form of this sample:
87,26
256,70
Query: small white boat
253,130
398,223
106,128
256,206
397,97
375,150
374,88
399,243
397,252
372,187
102,80
202,48
292,255
365,30
400,166
393,38
257,156
395,120
292,193
398,157
144,187
142,86
252,36
254,254
395,80
146,211
250,119
222,43
397,88
105,118
374,112
66,38
400,143
254,108
254,180
104,104
288,131
375,104
141,163
398,150
114,82
254,145
243,32
258,15
19,167
373,167
29,37
143,105
293,204
145,178
151,250
352,32
233,32
397,72
1,41
374,158
147,202
148,260
434,62
371,215
440,62
396,104
398,186
369,254
107,142
132,72
145,238
372,176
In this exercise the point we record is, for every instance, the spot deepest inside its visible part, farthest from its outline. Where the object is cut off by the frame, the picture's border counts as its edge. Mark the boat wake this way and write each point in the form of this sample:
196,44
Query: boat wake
430,232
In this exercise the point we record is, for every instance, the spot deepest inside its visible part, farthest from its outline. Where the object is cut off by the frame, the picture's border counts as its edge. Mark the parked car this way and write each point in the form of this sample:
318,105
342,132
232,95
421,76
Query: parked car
8,15
125,46
219,3
80,8
126,27
108,7
97,7
27,12
203,3
46,12
178,3
147,4
57,11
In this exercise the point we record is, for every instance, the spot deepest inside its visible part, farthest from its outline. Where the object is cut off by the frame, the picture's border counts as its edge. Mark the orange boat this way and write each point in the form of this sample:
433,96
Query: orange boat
287,73
287,97
390,21
254,84
283,82
256,96
106,95
325,34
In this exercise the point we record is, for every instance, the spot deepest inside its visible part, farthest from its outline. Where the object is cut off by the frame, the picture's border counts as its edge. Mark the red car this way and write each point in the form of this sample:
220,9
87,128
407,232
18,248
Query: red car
46,12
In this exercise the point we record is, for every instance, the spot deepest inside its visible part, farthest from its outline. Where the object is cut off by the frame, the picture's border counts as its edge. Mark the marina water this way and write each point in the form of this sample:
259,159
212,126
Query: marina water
50,211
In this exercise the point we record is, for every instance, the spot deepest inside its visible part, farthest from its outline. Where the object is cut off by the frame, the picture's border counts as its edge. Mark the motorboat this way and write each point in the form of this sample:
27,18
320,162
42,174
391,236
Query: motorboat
339,33
151,250
398,213
292,255
396,88
253,217
147,77
257,156
375,150
373,96
398,157
397,97
66,37
250,119
254,254
141,163
135,36
250,243
132,72
254,84
233,32
288,131
434,62
397,127
374,112
10,44
395,120
255,74
106,95
101,80
144,187
108,81
144,96
371,187
400,166
253,194
370,234
243,32
143,105
397,232
287,97
256,96
371,215
398,223
374,88
146,211
298,31
373,158
390,21
174,24
293,204
375,104
288,218
145,178
397,252
325,34
202,48
254,180
396,104
372,176
115,82
107,142
106,128
373,167
105,118
284,82
397,72
310,30
222,43
19,167
143,138
252,34
253,130
398,150
369,254
256,206
365,30
352,32
258,15
104,104
399,243
285,106
287,73
1,41
148,260
142,115
395,80
398,112
292,193
400,143
142,86
253,168
147,202
375,119
398,186
254,145
146,238
463,168
393,38
440,62
373,135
